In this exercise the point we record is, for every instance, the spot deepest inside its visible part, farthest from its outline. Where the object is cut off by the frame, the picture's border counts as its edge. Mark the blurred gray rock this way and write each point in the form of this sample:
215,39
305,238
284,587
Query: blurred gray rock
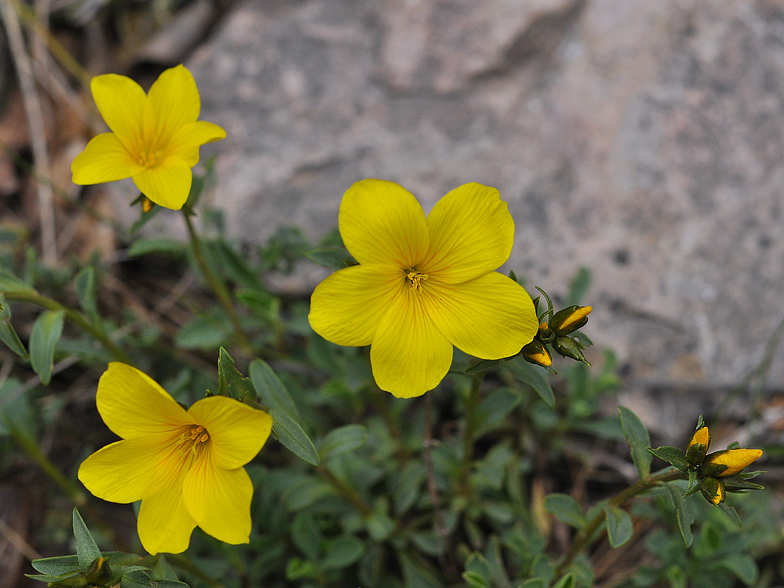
641,139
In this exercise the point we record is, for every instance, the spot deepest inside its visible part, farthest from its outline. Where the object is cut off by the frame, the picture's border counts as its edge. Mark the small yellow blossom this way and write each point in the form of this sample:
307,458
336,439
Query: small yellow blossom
734,459
423,284
155,137
185,466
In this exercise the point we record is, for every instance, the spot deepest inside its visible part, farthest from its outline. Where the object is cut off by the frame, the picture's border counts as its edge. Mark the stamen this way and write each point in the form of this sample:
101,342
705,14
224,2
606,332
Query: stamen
193,439
415,277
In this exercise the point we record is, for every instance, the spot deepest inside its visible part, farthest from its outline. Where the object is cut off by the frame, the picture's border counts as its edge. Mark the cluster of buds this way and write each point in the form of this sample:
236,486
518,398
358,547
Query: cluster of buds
712,474
554,331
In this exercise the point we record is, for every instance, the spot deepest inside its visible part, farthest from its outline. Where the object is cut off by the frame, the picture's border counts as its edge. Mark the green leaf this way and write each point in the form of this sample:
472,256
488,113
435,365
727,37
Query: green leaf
86,549
683,512
406,486
205,331
566,582
342,552
475,580
534,583
343,439
145,246
7,333
334,258
639,441
145,218
230,381
619,526
565,509
57,566
482,366
291,435
533,376
731,514
236,267
10,283
743,566
495,407
44,337
84,284
306,535
379,526
272,391
672,455
416,573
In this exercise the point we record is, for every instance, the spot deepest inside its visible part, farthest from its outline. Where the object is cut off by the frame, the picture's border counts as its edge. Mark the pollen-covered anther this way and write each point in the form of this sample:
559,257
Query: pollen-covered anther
193,439
415,277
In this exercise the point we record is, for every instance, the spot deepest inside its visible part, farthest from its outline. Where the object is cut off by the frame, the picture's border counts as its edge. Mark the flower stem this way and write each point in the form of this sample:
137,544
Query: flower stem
470,428
346,491
73,316
585,537
216,283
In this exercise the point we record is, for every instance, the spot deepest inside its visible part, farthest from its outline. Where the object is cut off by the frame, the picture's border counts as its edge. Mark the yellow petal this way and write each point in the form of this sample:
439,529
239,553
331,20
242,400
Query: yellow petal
381,222
735,460
701,435
188,138
120,101
347,307
219,500
237,431
133,405
105,159
164,524
167,184
173,102
124,471
409,355
471,233
490,317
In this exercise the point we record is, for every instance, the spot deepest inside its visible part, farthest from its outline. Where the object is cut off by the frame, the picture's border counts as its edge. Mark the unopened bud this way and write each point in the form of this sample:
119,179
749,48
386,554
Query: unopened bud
536,352
146,204
568,347
713,490
734,459
99,573
698,446
545,332
570,319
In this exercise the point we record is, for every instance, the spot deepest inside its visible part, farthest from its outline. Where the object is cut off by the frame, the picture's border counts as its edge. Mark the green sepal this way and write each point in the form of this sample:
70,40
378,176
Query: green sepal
733,484
571,348
549,311
695,454
730,513
710,470
674,456
230,381
712,488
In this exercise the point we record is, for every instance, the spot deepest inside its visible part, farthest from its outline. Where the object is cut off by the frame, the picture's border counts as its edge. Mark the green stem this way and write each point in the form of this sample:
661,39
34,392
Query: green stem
346,491
472,401
585,537
73,316
216,283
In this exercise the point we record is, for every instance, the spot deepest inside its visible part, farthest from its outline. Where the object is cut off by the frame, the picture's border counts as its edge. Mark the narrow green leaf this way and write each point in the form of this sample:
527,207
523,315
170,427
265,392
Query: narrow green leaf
674,456
44,337
534,583
333,258
230,381
10,283
272,391
495,407
683,512
482,366
236,266
743,566
145,246
731,514
533,376
293,437
342,552
566,582
619,526
639,441
475,580
57,566
84,283
565,509
86,549
205,331
343,439
7,333
306,535
145,218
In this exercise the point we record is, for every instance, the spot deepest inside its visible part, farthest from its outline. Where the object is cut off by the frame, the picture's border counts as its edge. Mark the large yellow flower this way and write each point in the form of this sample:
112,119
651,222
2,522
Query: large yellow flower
185,466
423,284
155,138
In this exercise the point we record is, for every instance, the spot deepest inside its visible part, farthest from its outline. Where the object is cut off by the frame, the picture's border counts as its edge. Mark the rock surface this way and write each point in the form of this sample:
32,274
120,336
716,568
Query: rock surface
643,140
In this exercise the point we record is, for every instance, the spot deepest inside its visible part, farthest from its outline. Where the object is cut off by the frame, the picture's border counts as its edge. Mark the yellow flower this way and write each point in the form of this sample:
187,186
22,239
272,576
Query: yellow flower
155,138
423,284
734,459
185,466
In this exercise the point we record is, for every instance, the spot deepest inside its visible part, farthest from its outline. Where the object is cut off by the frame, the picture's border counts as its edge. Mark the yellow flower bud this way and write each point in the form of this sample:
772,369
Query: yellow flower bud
536,352
146,204
734,459
698,446
570,319
713,490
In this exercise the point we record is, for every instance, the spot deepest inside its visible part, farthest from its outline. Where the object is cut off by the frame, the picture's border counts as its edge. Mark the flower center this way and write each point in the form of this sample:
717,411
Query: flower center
149,159
193,440
414,276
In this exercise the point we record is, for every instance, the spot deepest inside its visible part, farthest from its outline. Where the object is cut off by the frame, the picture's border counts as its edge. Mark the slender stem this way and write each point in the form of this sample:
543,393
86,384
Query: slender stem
216,283
73,316
470,428
346,491
585,537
